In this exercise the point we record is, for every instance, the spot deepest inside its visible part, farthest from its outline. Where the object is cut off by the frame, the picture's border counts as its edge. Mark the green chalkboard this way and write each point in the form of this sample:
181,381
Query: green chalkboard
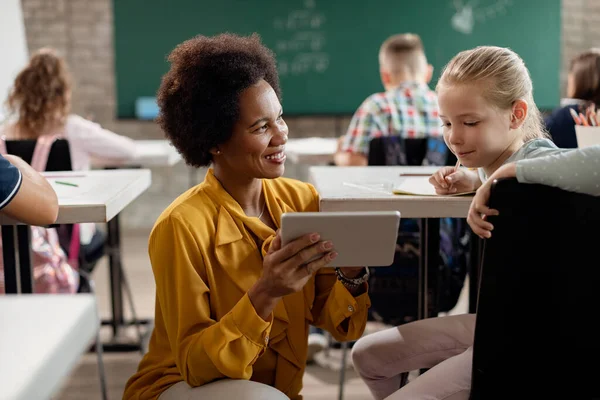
327,49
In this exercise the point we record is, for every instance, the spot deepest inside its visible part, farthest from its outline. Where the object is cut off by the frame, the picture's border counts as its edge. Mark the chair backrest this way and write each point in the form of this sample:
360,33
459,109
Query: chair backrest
536,333
59,158
395,150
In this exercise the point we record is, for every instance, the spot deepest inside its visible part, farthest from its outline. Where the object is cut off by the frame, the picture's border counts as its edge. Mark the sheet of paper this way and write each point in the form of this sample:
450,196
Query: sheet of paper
419,186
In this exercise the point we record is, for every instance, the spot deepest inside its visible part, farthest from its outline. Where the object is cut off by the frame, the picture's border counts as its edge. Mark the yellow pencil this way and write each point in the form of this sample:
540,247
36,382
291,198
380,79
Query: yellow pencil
457,165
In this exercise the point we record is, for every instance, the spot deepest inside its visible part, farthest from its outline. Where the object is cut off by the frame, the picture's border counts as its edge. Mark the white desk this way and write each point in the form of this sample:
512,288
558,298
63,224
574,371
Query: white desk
370,189
100,194
314,151
149,153
41,339
99,197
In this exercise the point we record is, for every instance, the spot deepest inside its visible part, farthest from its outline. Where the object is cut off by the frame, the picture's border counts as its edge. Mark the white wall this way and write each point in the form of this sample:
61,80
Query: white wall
13,46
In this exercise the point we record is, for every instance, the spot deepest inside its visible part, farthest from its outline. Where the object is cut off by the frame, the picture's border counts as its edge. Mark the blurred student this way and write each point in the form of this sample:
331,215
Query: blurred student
408,107
39,104
583,90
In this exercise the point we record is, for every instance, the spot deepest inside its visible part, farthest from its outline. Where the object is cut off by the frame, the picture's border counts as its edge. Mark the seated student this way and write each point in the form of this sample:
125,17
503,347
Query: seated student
25,195
490,118
574,170
408,107
39,104
233,306
583,88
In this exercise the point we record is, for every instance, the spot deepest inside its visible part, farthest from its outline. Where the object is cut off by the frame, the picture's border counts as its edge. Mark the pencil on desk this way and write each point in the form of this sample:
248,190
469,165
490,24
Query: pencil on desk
67,183
457,165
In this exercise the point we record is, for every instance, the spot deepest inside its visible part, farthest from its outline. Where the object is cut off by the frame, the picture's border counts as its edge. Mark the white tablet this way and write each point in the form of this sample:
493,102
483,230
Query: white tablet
359,238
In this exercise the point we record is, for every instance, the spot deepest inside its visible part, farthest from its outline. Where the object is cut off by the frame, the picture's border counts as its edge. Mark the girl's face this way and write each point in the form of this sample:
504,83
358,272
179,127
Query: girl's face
477,132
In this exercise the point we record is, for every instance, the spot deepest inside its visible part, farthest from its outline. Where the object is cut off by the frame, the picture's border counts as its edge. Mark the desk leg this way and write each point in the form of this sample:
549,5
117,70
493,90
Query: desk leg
25,266
116,280
428,266
11,285
475,258
120,342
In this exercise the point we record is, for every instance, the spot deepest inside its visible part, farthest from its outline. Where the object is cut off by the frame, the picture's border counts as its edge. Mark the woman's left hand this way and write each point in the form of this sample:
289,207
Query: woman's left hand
352,272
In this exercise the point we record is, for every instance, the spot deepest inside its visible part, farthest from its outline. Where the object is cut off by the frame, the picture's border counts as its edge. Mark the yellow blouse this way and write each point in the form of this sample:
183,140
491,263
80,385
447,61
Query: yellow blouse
204,261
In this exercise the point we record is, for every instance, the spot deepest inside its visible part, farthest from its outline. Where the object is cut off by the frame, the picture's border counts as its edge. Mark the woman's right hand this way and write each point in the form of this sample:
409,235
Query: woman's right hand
446,181
287,269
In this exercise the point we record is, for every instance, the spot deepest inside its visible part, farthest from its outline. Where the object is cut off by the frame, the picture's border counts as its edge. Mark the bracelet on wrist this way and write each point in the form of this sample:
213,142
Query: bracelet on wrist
352,283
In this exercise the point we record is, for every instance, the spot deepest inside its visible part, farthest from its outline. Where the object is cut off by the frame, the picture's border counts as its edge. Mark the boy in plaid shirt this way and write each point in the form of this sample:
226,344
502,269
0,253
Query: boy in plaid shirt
407,108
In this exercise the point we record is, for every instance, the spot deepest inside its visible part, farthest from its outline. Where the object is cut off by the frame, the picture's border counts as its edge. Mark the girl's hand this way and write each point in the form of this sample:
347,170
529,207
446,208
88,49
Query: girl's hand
446,181
479,210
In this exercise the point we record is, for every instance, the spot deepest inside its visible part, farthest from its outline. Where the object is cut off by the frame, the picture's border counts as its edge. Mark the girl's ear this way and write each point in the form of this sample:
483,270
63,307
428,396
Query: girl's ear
215,151
519,114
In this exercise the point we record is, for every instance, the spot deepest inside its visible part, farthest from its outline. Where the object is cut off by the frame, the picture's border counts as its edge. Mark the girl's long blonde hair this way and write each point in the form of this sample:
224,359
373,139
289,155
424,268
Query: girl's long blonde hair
40,96
504,79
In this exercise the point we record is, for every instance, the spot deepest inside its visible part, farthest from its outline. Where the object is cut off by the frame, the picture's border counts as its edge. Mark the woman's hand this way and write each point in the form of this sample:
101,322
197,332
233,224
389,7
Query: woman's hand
479,210
287,269
446,181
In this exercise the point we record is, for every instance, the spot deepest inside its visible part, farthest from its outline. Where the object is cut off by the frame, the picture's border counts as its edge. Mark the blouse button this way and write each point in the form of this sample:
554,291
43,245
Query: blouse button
350,308
267,340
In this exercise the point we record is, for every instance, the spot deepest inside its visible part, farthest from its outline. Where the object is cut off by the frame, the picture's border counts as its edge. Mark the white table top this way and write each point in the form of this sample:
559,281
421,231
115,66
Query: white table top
99,196
314,150
150,153
370,189
41,340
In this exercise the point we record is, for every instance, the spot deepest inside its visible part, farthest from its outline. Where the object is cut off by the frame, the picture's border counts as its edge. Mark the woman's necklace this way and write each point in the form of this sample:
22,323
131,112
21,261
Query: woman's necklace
263,209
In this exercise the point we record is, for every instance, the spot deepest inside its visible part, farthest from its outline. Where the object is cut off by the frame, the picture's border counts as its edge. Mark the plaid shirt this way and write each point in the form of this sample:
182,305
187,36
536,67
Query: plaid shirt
410,111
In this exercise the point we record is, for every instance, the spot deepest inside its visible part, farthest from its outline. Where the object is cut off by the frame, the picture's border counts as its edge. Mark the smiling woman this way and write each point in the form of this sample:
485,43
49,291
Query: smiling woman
233,304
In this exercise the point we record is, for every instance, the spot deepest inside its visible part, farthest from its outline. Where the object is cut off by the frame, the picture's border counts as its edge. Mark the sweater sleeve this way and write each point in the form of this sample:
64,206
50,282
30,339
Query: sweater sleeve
573,170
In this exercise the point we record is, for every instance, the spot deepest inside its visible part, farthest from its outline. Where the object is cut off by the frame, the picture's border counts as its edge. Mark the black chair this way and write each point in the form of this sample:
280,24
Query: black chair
536,334
59,158
394,290
395,150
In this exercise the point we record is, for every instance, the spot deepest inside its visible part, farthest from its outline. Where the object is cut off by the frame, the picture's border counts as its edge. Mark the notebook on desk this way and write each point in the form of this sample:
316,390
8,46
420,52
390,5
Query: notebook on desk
420,186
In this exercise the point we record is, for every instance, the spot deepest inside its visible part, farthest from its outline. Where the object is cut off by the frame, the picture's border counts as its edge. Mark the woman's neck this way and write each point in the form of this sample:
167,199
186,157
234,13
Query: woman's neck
246,191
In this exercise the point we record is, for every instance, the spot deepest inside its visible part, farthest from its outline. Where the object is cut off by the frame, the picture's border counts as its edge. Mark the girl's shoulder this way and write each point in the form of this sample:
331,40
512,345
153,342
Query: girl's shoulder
534,148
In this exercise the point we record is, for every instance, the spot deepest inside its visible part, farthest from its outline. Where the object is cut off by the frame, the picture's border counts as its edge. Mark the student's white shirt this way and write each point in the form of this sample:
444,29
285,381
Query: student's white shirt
88,139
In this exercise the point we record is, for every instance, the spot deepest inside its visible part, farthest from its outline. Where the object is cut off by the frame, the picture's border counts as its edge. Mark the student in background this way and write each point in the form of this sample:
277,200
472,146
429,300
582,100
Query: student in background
25,195
583,89
407,108
489,118
39,104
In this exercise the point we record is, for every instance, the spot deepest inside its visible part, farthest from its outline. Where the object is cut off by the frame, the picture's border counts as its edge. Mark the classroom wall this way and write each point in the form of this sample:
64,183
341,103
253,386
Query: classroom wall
13,45
82,31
